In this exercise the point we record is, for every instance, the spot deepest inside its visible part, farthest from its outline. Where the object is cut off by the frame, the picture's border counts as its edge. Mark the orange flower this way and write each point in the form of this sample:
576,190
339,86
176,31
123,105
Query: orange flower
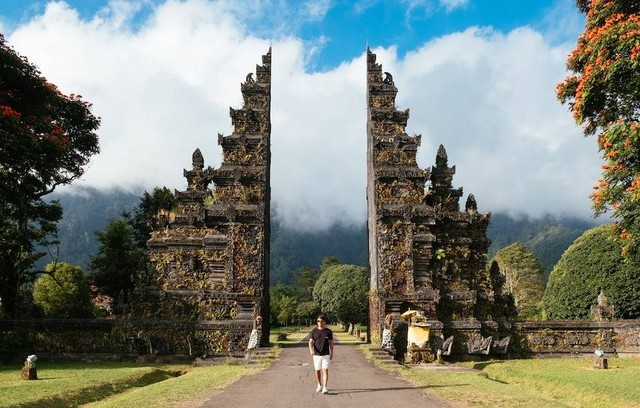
7,111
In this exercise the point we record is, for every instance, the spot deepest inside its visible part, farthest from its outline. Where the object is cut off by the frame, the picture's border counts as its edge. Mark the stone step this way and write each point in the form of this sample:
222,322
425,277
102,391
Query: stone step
383,356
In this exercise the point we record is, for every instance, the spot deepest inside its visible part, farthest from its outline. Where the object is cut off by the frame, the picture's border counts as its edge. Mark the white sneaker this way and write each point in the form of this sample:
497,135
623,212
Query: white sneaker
325,390
319,388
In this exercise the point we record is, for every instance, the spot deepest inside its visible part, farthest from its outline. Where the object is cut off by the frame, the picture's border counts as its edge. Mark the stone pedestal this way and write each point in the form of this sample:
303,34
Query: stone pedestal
29,373
600,362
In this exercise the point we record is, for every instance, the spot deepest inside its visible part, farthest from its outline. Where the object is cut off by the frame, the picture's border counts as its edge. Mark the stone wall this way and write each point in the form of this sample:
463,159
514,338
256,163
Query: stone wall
121,339
157,339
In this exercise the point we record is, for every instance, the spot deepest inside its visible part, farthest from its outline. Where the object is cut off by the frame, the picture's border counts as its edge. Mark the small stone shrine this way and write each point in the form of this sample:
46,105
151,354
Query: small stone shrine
211,255
425,253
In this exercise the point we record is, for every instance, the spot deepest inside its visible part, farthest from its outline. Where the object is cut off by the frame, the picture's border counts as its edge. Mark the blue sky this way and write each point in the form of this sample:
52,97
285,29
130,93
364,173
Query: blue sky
478,76
344,27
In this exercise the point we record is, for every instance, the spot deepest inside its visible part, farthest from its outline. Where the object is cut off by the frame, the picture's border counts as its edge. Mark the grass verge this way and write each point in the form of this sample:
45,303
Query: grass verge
113,384
568,382
188,390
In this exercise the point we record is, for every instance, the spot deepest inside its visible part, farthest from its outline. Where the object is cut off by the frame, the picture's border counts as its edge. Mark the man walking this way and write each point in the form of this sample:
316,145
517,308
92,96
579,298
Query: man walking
321,348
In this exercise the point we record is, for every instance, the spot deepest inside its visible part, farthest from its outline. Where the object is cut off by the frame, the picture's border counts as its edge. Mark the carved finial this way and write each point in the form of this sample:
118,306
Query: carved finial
249,79
388,79
441,157
197,160
471,205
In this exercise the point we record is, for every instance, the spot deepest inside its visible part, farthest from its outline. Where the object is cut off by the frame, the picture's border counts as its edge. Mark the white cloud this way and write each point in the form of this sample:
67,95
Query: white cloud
451,5
165,88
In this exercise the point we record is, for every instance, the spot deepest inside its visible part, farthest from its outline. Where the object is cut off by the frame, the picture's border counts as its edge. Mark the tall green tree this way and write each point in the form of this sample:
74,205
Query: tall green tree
603,92
161,198
524,277
303,281
278,296
342,293
592,263
287,310
63,292
115,267
46,140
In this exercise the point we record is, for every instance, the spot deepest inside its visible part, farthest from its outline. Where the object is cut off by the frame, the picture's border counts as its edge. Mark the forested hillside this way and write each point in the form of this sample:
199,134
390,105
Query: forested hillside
90,209
547,237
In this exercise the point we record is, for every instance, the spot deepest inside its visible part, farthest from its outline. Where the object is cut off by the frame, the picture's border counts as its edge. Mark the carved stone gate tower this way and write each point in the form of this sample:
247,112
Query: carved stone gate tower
425,253
211,255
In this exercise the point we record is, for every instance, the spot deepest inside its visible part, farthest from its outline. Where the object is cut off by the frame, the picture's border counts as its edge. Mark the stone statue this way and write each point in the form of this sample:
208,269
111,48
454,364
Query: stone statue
479,345
602,311
256,333
387,340
501,346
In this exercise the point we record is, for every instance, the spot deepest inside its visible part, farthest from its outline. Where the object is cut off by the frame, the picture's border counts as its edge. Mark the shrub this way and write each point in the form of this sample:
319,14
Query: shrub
594,262
63,292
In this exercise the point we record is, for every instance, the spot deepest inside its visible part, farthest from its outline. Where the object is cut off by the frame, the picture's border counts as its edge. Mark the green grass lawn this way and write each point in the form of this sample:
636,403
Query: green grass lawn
74,384
569,382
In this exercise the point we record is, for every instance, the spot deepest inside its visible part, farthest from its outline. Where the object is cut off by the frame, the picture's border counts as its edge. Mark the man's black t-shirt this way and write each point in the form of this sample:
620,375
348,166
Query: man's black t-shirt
321,339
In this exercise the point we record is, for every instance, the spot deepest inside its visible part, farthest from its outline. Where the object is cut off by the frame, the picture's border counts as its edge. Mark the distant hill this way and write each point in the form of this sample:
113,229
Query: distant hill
89,210
86,211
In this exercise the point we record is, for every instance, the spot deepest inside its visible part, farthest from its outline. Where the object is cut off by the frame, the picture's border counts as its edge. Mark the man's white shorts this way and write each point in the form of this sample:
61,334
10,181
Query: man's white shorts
321,362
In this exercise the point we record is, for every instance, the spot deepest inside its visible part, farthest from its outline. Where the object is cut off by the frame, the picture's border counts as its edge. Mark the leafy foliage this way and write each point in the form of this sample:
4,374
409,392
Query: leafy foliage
161,198
603,93
302,283
46,139
63,292
294,301
342,293
280,297
118,260
524,277
593,262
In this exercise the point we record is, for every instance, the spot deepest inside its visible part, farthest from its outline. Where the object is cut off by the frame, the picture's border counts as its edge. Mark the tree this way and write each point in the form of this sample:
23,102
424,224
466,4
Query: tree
161,198
328,262
287,309
46,139
277,295
307,311
603,93
594,262
303,281
118,260
524,277
342,293
63,292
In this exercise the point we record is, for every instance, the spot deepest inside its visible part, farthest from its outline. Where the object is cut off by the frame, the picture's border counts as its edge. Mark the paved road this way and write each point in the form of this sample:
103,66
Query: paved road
353,382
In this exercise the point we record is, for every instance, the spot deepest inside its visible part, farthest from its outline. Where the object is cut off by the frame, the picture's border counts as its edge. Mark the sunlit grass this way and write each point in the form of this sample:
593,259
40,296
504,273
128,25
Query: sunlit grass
195,386
569,382
74,384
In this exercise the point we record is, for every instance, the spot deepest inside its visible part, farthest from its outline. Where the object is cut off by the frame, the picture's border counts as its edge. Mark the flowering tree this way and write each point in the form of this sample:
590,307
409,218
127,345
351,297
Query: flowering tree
603,93
46,139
